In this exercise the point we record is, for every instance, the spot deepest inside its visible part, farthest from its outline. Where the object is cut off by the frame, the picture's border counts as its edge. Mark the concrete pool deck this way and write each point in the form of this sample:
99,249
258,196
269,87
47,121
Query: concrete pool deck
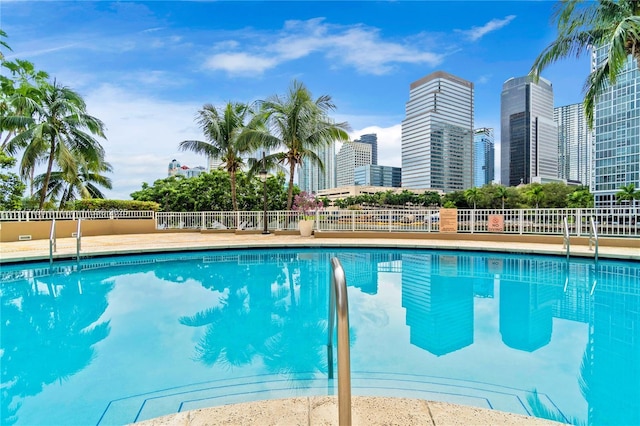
321,410
20,251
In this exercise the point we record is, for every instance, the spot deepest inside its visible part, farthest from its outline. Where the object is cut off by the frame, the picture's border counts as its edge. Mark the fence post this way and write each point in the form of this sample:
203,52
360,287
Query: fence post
473,220
389,219
521,220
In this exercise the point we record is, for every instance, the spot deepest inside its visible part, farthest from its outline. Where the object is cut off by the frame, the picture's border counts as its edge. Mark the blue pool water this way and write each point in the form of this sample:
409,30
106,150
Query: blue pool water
120,339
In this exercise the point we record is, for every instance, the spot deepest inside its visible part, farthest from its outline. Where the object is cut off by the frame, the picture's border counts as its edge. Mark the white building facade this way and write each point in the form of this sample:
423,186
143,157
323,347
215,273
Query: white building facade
437,134
350,156
575,144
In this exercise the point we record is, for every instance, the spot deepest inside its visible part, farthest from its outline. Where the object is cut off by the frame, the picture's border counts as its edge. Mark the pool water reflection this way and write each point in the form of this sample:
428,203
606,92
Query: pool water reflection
128,338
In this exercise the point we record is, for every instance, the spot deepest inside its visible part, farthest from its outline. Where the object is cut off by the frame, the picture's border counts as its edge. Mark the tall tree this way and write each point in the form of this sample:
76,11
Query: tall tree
84,182
11,187
535,194
224,130
472,195
583,25
59,131
301,126
502,194
628,193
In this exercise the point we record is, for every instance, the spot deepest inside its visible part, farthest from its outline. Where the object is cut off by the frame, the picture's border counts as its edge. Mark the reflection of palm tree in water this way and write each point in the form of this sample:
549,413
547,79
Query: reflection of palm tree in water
238,327
251,321
298,349
47,339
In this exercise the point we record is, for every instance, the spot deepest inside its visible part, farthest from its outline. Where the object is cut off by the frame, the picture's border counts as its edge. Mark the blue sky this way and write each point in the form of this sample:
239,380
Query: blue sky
145,68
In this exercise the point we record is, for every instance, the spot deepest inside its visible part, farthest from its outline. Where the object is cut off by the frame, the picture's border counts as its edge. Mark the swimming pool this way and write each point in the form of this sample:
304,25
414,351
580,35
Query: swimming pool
115,340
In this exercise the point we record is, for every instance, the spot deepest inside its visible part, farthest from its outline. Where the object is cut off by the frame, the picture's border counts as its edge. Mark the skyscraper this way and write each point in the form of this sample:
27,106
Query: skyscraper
371,139
376,175
574,144
350,156
617,133
312,178
437,134
483,156
529,138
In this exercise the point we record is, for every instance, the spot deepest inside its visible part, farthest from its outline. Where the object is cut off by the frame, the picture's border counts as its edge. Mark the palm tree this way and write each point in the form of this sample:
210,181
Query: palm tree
628,193
69,185
19,96
535,193
615,24
59,131
502,193
3,43
224,130
301,126
472,196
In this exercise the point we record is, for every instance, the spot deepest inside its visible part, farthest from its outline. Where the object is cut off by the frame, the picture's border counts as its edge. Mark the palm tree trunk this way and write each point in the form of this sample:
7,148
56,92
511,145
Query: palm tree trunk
234,201
45,185
292,169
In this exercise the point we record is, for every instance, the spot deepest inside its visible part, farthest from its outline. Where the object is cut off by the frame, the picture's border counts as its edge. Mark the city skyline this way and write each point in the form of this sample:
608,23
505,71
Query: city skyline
145,68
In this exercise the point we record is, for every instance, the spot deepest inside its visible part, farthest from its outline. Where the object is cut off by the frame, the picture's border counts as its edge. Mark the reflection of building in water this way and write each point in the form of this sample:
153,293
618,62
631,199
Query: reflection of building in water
482,278
439,303
361,269
575,303
314,275
612,370
526,308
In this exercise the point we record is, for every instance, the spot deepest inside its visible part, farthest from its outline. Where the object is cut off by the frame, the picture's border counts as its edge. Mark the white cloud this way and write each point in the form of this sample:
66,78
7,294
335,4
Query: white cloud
476,33
142,136
357,46
483,79
389,143
239,63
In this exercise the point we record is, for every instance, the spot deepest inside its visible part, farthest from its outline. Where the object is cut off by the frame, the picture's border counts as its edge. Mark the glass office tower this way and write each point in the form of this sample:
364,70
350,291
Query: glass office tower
529,137
437,134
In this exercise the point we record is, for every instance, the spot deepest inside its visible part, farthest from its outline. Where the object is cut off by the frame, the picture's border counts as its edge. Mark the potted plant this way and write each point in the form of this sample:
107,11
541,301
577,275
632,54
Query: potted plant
307,205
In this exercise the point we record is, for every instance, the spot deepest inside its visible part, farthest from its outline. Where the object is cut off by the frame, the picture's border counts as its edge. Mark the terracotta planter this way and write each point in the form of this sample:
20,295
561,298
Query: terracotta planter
306,227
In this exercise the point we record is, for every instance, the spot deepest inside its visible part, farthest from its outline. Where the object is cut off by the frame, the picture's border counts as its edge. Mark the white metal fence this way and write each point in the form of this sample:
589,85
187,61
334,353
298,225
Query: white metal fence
34,215
618,222
622,222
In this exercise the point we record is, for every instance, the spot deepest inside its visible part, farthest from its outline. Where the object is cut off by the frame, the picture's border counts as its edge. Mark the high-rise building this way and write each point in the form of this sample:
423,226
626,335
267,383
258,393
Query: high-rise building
214,163
437,134
617,133
574,144
175,169
371,139
375,175
312,178
529,138
350,156
483,156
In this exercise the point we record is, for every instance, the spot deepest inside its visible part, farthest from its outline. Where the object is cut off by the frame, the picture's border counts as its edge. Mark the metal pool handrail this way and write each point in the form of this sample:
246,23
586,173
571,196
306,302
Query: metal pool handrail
593,237
339,308
52,241
565,239
78,241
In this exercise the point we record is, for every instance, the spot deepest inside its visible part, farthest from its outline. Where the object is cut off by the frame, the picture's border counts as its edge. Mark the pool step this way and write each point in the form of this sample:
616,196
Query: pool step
274,386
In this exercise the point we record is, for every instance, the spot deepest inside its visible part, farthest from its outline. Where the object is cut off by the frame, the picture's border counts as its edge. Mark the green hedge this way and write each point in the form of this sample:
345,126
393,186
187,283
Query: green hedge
101,204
